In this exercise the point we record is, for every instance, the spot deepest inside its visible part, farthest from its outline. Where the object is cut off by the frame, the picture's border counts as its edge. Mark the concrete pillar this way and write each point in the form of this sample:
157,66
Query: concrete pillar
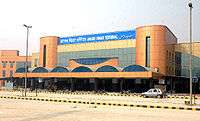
121,85
151,84
32,84
40,83
72,84
173,85
104,88
46,83
85,85
114,84
96,85
94,82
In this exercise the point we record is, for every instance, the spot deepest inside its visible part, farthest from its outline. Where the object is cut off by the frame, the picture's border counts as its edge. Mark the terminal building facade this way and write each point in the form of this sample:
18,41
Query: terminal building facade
134,60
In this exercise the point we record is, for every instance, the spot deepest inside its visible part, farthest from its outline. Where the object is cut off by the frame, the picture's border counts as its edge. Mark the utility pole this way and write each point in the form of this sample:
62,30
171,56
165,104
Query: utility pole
190,64
26,64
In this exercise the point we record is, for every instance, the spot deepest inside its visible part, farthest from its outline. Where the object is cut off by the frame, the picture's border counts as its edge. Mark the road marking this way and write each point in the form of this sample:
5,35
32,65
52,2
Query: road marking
103,103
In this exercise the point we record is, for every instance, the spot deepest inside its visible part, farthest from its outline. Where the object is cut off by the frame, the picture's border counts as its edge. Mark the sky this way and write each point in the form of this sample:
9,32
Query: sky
79,17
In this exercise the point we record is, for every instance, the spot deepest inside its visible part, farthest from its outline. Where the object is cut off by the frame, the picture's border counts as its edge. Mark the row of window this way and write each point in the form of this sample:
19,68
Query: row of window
170,56
4,73
4,63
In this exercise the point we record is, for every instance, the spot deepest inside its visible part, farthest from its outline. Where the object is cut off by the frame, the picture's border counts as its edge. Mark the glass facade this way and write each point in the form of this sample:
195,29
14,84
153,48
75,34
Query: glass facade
91,61
21,64
182,62
126,56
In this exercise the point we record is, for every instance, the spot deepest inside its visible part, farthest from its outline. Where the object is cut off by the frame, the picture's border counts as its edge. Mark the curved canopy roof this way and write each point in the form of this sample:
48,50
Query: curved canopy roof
134,68
107,68
40,70
82,69
60,69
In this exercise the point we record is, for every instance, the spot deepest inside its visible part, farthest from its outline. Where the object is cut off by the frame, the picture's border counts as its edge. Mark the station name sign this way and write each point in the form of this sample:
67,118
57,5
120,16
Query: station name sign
120,35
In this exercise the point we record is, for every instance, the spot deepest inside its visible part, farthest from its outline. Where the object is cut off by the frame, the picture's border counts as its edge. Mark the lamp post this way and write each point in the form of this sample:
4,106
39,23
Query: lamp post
26,64
190,64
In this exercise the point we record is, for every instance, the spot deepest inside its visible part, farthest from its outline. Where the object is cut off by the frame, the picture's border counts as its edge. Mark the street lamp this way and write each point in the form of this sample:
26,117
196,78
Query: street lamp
26,64
190,64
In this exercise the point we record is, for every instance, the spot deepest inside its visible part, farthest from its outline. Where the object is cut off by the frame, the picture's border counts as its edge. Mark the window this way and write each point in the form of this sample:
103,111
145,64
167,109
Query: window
170,56
167,55
11,64
147,51
173,57
4,64
11,73
44,56
3,73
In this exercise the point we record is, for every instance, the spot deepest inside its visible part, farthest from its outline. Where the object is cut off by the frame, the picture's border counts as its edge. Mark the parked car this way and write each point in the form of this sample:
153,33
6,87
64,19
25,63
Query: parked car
155,92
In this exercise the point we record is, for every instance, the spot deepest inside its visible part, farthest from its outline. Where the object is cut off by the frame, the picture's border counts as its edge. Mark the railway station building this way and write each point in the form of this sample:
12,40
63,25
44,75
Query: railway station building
133,60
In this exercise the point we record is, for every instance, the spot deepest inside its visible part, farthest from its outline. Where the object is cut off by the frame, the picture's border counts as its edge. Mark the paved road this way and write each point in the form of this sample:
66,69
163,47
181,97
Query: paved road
24,110
106,98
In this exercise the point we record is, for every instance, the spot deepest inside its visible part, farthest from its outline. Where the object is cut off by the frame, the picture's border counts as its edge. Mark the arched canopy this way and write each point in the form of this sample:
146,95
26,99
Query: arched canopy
107,68
82,69
134,68
60,69
20,70
40,70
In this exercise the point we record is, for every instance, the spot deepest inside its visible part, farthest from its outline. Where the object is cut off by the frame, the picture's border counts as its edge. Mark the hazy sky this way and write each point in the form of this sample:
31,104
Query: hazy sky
76,17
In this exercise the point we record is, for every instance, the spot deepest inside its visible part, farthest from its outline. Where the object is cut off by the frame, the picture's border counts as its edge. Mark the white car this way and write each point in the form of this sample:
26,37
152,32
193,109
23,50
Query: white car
156,92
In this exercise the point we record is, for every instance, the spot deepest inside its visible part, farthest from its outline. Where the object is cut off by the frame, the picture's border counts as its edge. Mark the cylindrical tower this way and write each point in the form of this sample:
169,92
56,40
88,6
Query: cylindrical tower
151,47
48,51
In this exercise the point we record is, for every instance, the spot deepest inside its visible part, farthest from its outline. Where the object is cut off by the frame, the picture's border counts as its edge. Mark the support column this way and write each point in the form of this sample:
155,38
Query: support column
32,84
171,85
46,83
104,87
94,82
151,83
121,85
95,85
174,85
40,81
72,84
85,84
114,84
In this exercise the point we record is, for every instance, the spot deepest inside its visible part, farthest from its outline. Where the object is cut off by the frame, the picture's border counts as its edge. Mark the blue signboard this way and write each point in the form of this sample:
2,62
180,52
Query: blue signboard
120,35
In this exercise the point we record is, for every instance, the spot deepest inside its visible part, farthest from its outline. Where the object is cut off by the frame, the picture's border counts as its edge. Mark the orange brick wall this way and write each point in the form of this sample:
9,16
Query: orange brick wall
160,37
51,51
10,56
9,52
